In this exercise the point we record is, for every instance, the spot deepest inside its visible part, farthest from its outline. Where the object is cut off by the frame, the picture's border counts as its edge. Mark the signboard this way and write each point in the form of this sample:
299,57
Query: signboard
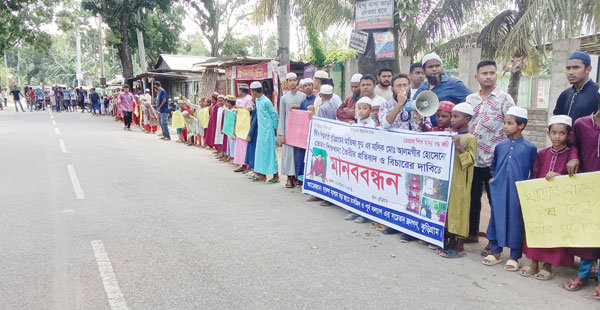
298,127
253,72
562,212
384,45
282,71
398,178
358,41
309,71
374,14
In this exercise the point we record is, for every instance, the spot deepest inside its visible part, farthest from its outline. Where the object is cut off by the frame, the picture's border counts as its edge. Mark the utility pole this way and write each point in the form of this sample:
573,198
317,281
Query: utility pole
141,49
101,52
78,45
283,25
19,68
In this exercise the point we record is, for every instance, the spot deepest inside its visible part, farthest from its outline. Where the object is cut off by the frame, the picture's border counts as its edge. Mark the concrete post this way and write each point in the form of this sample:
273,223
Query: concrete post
405,62
468,58
534,91
561,49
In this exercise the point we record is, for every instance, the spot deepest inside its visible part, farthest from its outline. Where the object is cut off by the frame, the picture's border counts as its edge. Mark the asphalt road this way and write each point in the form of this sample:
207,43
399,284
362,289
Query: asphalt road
159,225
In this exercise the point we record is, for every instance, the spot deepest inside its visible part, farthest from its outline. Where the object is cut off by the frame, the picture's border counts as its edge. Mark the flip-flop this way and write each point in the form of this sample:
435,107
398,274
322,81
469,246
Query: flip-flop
526,271
491,260
573,285
511,265
273,181
451,254
544,275
351,216
596,295
255,179
361,220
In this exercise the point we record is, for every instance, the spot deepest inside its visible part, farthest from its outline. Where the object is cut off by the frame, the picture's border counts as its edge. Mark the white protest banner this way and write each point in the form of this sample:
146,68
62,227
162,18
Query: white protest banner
358,41
398,178
374,14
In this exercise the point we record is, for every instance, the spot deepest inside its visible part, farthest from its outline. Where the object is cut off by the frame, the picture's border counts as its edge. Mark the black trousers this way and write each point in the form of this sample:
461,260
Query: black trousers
127,115
481,178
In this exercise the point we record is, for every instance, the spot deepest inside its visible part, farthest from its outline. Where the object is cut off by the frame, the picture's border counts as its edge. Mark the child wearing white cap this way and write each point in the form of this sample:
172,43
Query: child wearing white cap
513,161
551,162
465,143
363,107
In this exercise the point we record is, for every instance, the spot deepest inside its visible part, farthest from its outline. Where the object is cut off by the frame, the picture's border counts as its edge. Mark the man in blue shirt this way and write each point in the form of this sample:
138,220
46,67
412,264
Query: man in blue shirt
66,99
582,98
163,109
445,87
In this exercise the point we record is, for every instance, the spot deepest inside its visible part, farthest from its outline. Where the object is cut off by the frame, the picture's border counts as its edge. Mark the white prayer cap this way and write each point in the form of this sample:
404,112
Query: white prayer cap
326,90
356,78
176,98
291,75
255,85
518,112
186,113
561,119
320,74
306,81
464,108
431,56
378,101
147,90
366,100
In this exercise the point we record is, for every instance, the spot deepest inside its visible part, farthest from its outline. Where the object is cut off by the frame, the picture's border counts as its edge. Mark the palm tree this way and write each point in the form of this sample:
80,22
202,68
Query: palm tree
516,36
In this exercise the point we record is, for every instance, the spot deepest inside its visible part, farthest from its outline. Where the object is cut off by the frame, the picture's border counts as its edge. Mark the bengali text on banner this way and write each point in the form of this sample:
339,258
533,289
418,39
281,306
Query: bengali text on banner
398,178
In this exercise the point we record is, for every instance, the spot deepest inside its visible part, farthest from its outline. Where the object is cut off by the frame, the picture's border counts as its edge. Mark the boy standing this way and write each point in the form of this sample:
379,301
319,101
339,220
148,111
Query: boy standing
512,162
465,143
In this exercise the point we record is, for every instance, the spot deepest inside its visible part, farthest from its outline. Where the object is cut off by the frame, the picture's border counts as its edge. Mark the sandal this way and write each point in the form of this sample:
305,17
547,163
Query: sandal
361,220
511,265
573,285
273,181
289,183
527,271
596,295
351,216
451,254
486,251
257,179
313,199
472,239
544,275
491,260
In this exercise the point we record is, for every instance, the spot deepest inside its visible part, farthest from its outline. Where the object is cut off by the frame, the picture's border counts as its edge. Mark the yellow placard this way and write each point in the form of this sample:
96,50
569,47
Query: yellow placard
242,124
562,212
204,115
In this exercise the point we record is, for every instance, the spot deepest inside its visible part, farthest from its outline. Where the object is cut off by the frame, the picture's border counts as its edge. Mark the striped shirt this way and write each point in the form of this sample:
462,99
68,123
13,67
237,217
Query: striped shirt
487,123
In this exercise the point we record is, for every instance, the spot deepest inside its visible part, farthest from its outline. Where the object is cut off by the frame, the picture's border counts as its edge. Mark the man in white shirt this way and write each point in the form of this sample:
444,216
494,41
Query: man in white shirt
384,88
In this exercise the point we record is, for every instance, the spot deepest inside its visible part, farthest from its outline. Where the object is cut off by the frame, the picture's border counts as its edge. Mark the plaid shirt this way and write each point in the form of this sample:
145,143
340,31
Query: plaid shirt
487,123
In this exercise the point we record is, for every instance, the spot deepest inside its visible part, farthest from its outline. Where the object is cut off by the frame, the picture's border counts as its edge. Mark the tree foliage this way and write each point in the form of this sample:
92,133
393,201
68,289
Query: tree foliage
21,20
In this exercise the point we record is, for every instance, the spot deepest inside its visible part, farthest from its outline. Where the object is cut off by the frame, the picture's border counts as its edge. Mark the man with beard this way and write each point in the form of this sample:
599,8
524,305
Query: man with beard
416,78
384,88
347,111
445,87
582,97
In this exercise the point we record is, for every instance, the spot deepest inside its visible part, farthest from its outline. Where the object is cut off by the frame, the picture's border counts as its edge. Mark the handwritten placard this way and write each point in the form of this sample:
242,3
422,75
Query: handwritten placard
297,128
562,212
229,123
398,178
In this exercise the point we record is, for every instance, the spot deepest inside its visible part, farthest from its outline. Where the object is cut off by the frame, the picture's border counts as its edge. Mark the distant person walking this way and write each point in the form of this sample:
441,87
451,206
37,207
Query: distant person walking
17,98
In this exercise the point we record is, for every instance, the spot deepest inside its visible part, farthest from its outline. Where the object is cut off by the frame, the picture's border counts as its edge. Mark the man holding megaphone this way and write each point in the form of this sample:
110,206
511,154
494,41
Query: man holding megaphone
446,88
397,114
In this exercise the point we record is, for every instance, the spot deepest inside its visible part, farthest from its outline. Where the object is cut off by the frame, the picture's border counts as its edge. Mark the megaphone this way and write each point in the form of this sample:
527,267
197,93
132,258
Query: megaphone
426,104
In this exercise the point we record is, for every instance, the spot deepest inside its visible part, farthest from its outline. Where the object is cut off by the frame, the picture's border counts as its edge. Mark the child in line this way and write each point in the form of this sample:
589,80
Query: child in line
586,138
220,143
375,105
364,112
551,162
443,116
178,123
465,143
230,152
190,124
513,161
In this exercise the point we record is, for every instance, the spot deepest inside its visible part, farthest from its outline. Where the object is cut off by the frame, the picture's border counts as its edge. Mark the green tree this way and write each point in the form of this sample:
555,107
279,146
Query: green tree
217,19
119,15
516,36
21,20
161,31
236,46
193,44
